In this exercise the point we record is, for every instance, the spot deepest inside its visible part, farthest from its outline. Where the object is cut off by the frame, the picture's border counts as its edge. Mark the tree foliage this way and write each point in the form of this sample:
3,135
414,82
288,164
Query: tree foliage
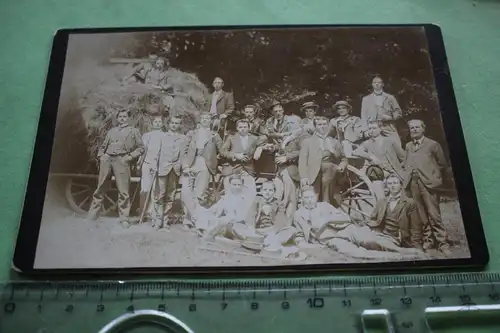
297,65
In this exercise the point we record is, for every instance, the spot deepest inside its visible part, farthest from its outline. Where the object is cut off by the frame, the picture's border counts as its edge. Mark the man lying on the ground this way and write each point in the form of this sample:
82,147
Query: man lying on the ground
320,223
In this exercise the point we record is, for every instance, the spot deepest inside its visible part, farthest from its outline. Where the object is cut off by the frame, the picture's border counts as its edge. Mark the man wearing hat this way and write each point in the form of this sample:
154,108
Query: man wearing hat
309,109
348,129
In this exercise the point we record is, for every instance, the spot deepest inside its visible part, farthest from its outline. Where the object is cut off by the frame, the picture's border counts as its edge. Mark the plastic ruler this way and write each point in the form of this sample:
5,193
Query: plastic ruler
415,303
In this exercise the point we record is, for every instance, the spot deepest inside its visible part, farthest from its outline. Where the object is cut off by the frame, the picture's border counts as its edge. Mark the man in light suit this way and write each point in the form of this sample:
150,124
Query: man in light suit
220,103
397,216
172,152
382,106
148,163
239,149
201,157
320,159
425,167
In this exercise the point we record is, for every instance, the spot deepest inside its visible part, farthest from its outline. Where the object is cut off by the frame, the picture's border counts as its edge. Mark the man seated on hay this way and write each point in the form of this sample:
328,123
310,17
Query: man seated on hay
319,224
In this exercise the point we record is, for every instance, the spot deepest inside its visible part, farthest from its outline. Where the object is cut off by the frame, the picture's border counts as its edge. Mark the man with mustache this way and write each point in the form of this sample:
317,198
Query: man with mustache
424,169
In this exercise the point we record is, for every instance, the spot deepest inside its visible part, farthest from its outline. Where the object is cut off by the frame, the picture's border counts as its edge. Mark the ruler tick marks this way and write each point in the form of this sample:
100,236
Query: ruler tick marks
162,291
102,292
57,291
315,291
87,291
223,294
41,294
147,290
284,294
345,289
192,294
178,291
117,290
11,297
254,295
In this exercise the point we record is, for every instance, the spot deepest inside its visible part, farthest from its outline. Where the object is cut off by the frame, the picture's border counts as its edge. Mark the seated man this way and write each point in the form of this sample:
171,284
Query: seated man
383,152
239,149
321,223
266,217
397,216
233,207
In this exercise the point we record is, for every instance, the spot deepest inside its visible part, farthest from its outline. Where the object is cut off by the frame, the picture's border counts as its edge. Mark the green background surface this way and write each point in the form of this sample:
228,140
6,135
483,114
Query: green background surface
471,32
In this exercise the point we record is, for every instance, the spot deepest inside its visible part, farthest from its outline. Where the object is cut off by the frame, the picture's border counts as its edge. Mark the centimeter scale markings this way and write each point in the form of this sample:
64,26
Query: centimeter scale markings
427,303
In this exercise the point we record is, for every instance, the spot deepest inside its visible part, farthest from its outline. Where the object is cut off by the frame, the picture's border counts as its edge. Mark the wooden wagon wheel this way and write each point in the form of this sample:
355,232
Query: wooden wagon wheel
359,196
79,193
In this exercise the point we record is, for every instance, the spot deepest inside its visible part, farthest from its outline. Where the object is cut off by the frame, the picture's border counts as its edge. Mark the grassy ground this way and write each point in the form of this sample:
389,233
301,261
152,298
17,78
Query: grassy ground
70,241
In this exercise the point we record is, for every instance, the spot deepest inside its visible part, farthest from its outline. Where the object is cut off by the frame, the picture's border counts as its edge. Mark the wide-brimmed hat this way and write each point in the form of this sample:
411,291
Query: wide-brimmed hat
339,103
309,105
274,103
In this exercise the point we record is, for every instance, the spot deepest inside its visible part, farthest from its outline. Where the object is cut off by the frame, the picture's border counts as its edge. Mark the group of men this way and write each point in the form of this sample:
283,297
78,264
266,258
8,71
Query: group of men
309,155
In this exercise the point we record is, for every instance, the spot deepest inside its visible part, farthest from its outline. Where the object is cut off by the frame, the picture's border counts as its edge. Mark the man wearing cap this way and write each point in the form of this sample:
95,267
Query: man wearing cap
320,159
240,149
348,129
382,106
309,109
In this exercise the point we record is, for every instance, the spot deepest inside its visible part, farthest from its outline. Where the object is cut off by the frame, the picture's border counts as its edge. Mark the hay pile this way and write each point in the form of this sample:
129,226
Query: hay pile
100,99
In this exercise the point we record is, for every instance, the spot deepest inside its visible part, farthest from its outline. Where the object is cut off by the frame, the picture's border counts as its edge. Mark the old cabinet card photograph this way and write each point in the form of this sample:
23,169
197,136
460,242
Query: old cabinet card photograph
250,148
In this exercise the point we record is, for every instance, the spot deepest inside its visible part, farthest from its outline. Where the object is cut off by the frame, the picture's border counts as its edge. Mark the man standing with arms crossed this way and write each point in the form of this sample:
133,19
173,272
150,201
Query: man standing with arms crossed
425,167
121,145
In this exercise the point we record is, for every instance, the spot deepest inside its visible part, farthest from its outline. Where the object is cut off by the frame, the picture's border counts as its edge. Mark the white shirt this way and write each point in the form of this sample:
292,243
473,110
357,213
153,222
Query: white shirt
152,142
379,99
393,201
202,137
215,97
244,141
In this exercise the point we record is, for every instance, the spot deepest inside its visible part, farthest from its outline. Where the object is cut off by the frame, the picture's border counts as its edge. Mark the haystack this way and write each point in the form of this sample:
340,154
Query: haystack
100,103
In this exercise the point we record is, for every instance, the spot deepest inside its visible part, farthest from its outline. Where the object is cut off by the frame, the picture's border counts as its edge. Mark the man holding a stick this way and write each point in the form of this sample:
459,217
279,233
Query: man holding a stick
173,150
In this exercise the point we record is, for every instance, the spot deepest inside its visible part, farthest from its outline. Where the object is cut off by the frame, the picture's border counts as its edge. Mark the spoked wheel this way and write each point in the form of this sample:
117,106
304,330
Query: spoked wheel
79,193
358,194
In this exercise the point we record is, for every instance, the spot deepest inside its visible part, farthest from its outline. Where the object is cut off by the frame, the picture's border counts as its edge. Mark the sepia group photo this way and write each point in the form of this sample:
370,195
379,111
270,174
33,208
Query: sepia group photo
251,147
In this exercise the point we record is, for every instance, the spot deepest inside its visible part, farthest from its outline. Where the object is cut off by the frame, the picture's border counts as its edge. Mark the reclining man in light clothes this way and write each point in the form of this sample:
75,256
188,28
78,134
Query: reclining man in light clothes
233,207
321,223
